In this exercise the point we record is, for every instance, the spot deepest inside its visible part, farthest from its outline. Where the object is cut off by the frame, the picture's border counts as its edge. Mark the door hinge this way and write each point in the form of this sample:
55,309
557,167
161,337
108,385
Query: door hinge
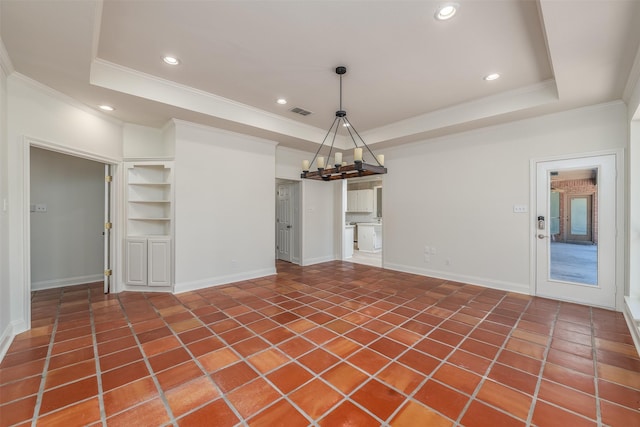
108,178
107,272
107,226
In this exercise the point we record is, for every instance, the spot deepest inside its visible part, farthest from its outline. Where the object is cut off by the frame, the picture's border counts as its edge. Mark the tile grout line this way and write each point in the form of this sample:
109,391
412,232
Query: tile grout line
147,364
45,368
595,369
103,414
534,401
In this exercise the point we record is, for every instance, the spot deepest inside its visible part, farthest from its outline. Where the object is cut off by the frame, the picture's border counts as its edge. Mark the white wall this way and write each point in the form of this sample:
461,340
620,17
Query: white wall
224,207
457,194
634,210
6,328
50,119
142,142
319,206
67,245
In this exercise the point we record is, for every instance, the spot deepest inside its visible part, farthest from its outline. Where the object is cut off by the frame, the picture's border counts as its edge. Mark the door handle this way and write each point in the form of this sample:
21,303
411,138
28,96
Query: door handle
542,236
288,226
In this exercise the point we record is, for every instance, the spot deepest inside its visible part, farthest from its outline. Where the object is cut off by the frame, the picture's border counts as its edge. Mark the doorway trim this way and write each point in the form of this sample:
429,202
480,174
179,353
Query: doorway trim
26,144
620,225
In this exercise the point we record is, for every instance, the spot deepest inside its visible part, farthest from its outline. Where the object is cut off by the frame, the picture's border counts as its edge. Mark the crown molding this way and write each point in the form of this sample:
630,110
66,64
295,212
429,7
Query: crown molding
183,123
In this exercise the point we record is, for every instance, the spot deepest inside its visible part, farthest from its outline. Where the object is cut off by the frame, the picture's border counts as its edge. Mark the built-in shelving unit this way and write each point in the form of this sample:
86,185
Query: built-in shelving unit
149,213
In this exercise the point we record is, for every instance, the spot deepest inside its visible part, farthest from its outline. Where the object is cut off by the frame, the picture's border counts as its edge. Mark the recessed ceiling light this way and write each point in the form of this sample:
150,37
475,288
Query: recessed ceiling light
492,76
106,107
171,60
281,101
446,11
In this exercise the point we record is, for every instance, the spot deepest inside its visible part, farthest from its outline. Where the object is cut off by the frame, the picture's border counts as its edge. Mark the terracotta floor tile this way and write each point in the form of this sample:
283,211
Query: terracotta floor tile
320,335
315,398
216,360
419,361
367,360
289,377
122,375
268,360
540,339
619,394
217,410
481,415
194,335
381,400
253,397
130,394
19,389
121,358
344,377
318,360
117,344
619,375
17,411
526,347
569,378
83,413
442,399
71,373
280,414
71,357
168,359
24,356
342,347
113,334
191,395
567,398
570,361
520,361
57,398
387,347
549,415
413,411
362,336
233,376
513,378
24,370
434,348
179,374
479,348
505,398
404,336
457,378
251,346
277,335
400,378
160,346
615,415
347,414
149,413
446,337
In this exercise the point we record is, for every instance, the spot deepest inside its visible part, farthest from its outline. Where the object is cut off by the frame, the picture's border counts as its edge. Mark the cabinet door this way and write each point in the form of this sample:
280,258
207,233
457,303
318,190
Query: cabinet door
136,261
352,201
365,200
159,261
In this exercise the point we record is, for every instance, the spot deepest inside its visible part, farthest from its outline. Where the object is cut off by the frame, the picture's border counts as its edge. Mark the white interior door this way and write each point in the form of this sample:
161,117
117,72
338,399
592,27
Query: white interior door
107,228
284,222
580,271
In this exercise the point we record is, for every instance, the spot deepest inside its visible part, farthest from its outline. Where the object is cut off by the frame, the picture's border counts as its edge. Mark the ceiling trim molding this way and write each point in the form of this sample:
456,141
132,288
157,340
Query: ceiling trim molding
5,60
178,123
506,102
122,79
63,98
631,93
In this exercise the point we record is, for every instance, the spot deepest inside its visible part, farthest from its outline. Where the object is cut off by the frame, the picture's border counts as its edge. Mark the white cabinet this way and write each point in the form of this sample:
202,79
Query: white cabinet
148,261
348,241
369,237
149,215
360,200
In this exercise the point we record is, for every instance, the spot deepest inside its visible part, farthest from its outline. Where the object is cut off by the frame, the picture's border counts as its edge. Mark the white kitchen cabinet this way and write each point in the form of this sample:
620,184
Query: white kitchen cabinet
348,241
149,218
360,200
369,237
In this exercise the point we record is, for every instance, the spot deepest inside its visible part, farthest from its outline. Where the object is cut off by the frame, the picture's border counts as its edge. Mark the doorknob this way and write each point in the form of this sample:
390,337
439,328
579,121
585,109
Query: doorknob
288,226
541,236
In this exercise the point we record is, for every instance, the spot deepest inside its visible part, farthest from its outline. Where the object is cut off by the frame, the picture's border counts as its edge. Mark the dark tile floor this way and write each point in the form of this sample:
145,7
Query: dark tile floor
328,345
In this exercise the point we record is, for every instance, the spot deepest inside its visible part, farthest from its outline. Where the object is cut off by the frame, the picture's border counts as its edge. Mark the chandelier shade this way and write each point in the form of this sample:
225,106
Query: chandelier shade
328,168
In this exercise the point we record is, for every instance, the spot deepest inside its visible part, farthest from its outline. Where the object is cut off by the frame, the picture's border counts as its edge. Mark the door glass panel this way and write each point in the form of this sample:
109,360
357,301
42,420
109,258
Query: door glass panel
573,246
579,216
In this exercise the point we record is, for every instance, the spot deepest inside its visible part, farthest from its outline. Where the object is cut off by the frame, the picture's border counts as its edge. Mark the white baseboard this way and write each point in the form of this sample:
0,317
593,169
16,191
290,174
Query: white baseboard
222,280
520,288
6,339
70,281
318,260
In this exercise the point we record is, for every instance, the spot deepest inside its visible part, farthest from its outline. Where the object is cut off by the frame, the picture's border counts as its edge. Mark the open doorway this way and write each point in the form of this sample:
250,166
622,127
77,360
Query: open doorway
67,220
363,222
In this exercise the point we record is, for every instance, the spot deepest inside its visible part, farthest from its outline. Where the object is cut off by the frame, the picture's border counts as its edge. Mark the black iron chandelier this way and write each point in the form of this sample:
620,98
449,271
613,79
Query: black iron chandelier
326,171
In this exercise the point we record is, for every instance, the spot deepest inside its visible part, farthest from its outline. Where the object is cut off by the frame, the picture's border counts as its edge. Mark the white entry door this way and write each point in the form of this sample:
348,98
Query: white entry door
284,222
575,230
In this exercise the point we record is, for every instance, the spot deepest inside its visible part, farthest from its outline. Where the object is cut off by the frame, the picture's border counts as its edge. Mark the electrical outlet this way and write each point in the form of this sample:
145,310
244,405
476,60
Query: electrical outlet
41,207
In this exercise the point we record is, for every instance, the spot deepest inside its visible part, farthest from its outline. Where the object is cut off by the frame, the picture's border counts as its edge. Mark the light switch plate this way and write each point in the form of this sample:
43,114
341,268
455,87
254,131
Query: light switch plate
520,209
